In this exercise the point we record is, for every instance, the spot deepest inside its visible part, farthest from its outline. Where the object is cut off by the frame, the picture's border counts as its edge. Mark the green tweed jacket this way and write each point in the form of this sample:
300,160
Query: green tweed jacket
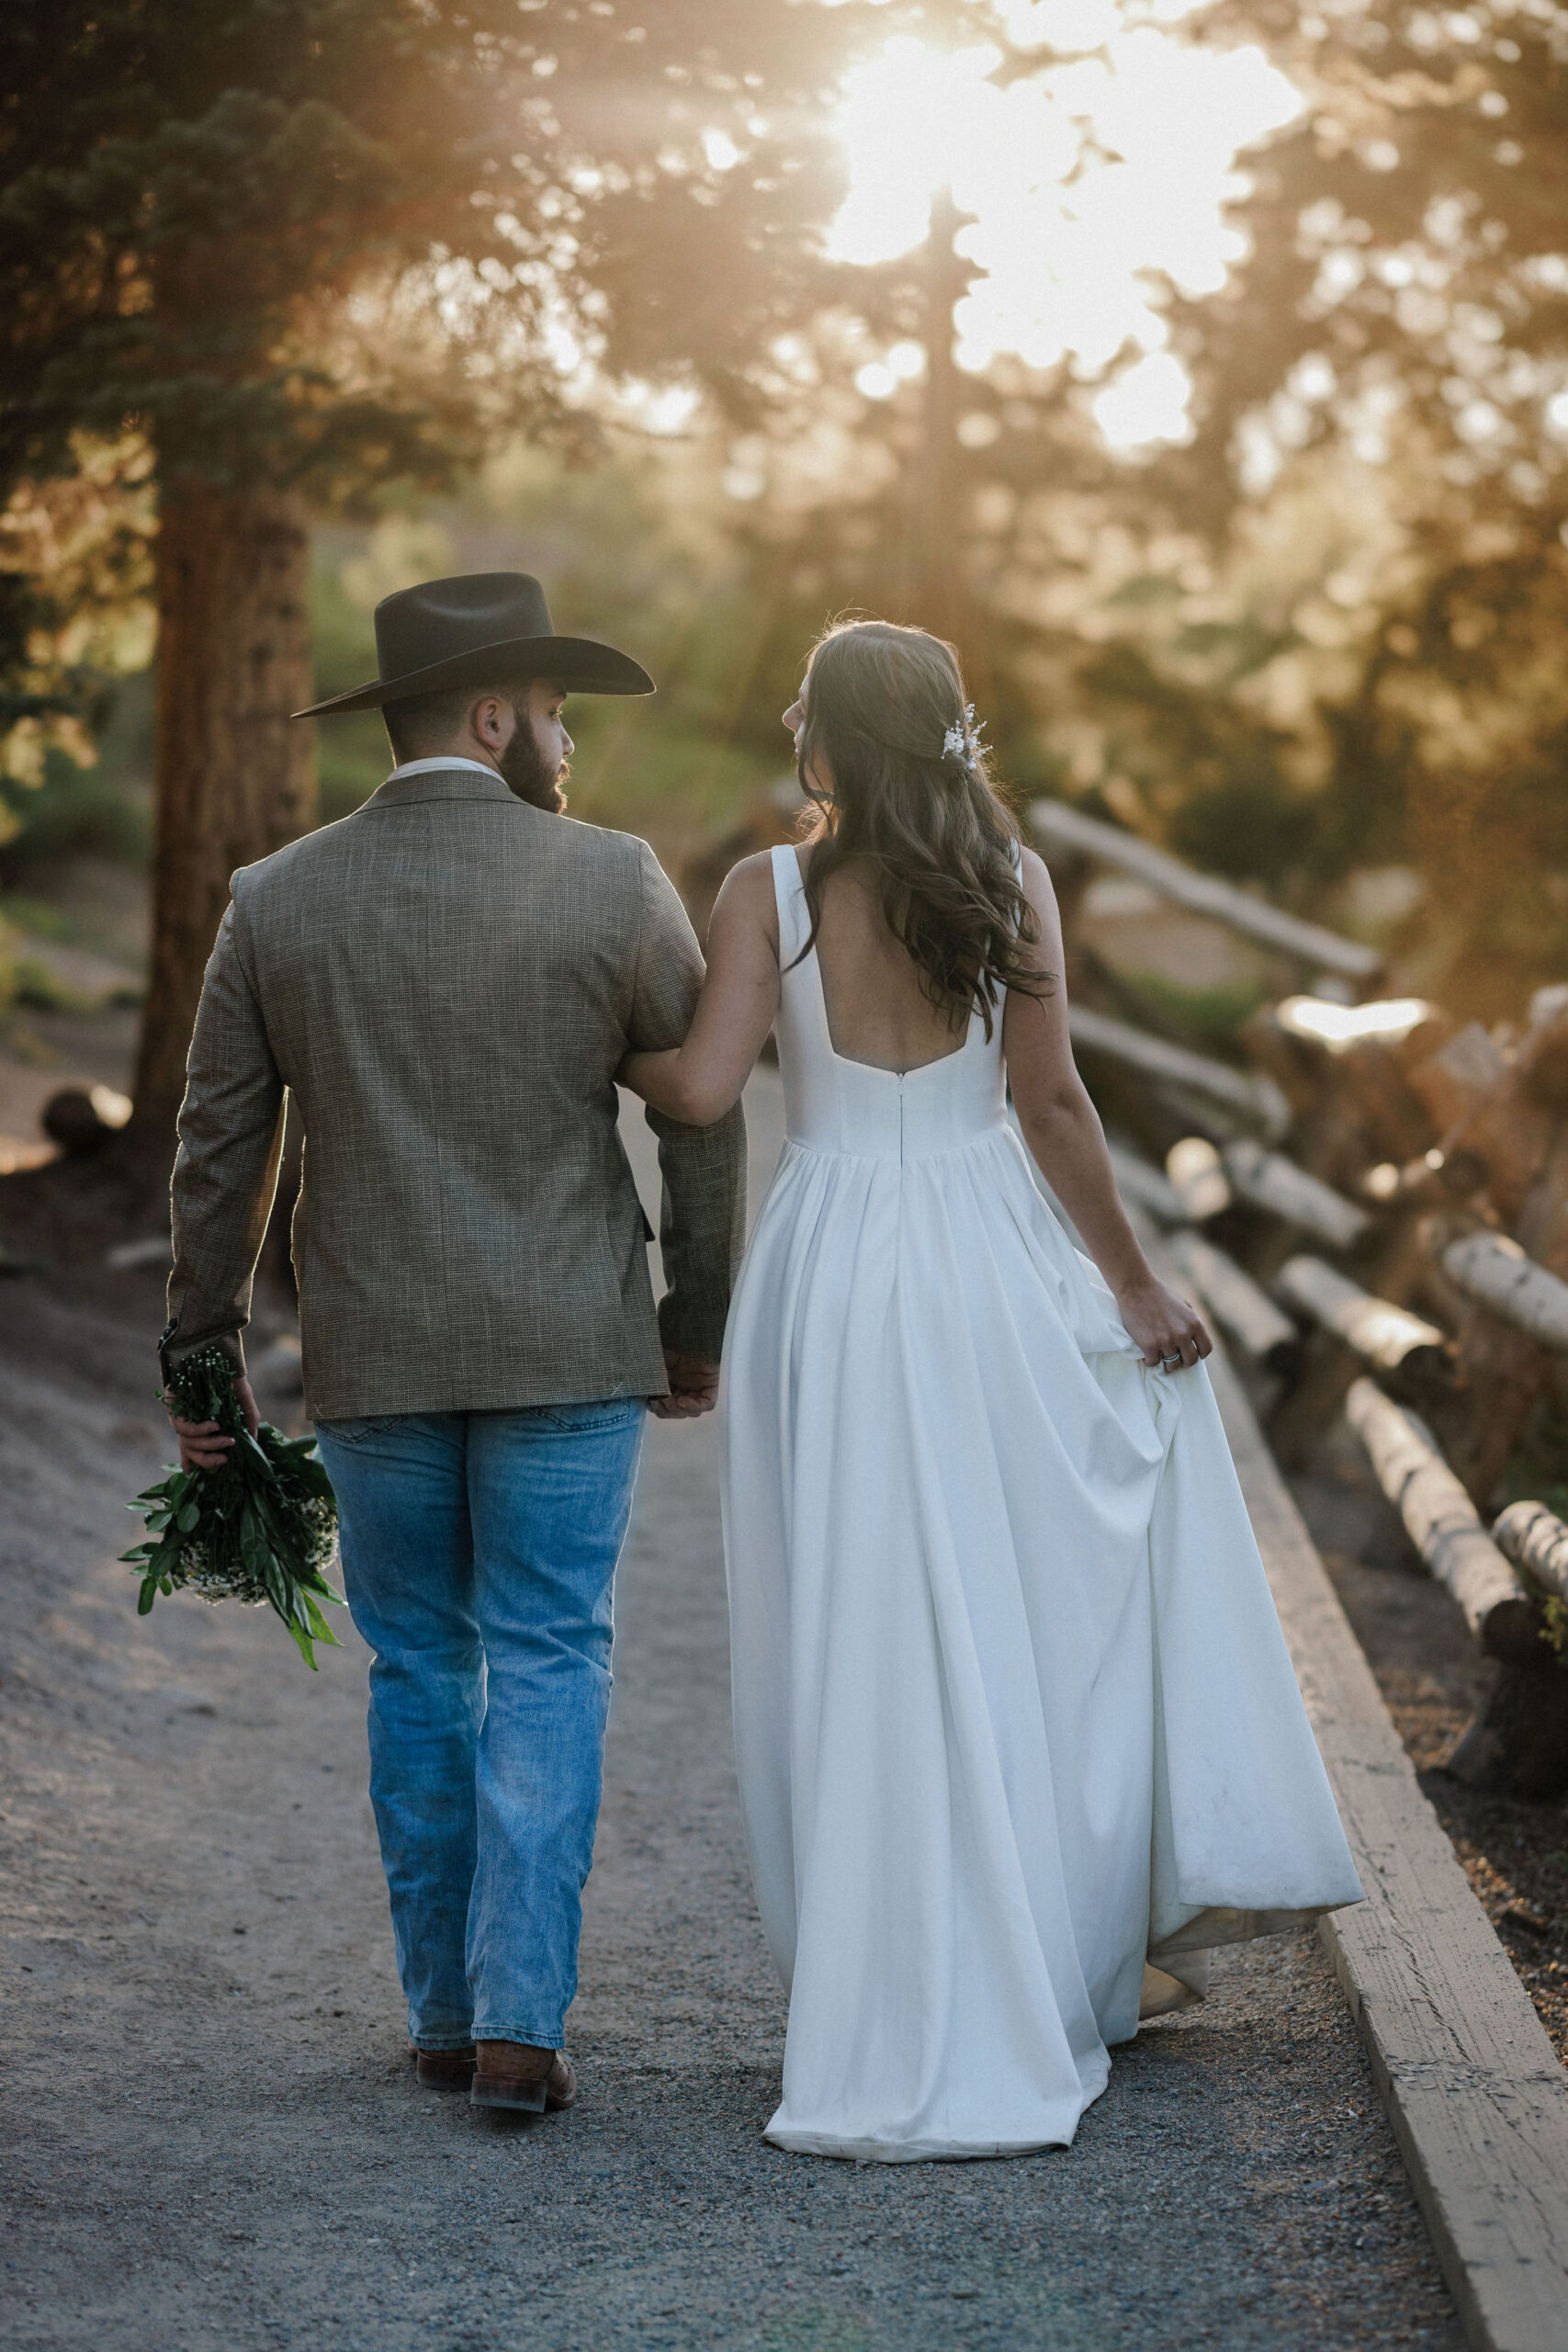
445,983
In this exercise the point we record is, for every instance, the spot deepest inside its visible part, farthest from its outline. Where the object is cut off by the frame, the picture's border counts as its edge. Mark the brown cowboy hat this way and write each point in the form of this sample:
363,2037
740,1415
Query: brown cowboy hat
484,628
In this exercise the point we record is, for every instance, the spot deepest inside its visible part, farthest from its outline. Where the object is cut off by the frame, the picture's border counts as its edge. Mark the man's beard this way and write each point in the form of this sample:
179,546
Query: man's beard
530,776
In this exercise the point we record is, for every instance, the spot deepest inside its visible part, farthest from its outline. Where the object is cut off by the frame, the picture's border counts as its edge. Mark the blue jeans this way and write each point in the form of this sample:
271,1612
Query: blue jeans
478,1557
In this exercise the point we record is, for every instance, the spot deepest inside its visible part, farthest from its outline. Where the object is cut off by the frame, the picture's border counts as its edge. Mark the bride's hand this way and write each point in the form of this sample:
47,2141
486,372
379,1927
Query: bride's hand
1170,1333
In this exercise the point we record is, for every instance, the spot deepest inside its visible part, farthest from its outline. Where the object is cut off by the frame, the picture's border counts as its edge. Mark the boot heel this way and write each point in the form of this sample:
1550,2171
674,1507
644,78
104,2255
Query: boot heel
499,2090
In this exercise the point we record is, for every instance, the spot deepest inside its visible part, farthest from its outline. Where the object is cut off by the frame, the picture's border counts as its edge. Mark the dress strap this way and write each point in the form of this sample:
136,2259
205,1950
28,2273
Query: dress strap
789,896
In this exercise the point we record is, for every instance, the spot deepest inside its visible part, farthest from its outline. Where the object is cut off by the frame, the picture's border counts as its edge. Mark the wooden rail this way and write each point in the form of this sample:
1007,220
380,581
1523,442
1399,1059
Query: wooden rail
1388,1337
1142,1184
1535,1539
1481,1387
1064,828
1497,1273
1272,1182
1207,1180
1244,1312
1444,1524
1257,1099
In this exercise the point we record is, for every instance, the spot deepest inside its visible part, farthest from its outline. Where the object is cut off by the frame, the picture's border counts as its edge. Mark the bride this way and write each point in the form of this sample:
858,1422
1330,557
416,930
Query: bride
1017,1733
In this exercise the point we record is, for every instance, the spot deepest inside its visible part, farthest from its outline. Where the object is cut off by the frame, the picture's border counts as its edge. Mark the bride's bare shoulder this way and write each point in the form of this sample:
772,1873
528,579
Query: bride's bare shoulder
1036,879
747,899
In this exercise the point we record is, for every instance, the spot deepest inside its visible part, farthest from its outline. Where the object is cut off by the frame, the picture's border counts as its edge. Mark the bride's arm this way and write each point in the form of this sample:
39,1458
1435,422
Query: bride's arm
1062,1129
699,1082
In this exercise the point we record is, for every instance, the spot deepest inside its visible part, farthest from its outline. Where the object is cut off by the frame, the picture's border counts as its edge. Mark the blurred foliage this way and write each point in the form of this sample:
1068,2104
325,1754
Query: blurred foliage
1323,638
1408,284
74,609
1404,318
346,247
66,808
72,812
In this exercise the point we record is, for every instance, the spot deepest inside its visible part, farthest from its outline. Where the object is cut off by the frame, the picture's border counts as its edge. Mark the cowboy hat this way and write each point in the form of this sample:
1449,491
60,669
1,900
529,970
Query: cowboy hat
483,629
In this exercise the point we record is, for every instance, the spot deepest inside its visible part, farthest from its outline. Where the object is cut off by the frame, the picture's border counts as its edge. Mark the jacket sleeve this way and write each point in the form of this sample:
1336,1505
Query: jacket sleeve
702,1224
230,1131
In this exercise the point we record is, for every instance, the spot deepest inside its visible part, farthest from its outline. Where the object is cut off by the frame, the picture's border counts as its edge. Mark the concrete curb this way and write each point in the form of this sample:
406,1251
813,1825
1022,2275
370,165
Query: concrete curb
1472,2085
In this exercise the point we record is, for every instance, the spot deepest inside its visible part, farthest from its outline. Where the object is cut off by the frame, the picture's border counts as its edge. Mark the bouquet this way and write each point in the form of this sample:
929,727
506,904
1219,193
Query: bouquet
262,1528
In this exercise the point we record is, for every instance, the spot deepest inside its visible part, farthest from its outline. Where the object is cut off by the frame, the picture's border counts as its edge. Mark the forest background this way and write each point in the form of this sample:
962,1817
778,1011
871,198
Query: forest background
1202,371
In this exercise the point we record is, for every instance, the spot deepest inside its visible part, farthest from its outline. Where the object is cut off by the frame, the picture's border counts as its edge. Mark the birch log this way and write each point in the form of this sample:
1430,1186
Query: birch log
1062,828
1444,1525
1536,1539
1272,1182
1246,1314
1387,1337
1497,1273
1257,1099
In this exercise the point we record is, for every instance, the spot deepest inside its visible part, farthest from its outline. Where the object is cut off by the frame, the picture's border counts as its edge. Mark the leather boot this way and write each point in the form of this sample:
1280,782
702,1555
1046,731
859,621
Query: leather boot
528,2081
445,2070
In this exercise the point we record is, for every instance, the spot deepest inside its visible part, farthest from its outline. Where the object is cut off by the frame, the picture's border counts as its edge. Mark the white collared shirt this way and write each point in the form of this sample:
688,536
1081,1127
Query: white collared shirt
419,768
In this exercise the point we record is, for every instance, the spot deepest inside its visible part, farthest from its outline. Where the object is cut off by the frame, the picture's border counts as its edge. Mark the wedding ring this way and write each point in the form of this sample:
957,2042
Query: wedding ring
1165,1362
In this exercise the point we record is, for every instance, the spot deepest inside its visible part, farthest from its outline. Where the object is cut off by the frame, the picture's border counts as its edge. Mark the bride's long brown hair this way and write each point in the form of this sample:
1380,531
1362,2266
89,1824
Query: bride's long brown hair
886,719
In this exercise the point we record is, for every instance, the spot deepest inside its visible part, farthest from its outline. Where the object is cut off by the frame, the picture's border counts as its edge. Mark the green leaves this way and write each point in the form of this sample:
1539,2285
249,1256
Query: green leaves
261,1528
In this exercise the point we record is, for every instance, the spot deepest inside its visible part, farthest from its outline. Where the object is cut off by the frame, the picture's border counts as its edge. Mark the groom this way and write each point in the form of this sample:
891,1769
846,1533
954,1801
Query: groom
445,983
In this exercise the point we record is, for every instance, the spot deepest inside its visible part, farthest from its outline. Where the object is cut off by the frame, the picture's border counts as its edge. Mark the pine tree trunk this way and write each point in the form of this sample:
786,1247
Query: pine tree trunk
235,777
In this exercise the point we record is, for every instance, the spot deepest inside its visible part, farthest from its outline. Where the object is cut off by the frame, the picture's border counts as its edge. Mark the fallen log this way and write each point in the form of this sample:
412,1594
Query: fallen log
1500,1373
1444,1525
1411,1352
1451,1081
1197,1176
1271,1182
1367,1049
1257,1098
1063,828
1509,1127
1517,1741
1536,1539
1496,1272
1246,1314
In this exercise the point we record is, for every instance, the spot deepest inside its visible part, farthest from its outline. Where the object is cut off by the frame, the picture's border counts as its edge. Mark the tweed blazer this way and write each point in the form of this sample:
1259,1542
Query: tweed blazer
445,983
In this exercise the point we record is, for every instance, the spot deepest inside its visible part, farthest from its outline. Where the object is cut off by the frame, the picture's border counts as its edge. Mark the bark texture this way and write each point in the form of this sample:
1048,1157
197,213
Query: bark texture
235,778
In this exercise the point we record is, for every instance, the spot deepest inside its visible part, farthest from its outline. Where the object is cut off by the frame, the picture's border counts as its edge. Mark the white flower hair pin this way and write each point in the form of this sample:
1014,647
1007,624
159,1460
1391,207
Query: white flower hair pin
965,739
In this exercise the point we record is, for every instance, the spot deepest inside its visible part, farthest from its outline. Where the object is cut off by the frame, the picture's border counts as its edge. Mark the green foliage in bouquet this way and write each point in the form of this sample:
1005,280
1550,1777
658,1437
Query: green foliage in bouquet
262,1528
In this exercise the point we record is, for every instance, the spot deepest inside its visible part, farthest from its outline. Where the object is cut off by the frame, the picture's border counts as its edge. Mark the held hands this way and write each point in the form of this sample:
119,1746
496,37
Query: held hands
694,1388
1169,1333
201,1447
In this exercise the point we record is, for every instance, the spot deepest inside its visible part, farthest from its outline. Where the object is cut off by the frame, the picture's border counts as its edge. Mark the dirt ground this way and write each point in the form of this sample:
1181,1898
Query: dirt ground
214,2137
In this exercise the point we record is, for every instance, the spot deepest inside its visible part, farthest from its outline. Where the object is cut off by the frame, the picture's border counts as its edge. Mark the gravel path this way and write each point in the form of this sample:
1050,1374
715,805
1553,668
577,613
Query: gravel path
214,2137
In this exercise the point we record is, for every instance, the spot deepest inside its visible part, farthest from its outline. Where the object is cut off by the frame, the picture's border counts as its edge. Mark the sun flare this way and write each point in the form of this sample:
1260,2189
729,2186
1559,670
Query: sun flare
1093,185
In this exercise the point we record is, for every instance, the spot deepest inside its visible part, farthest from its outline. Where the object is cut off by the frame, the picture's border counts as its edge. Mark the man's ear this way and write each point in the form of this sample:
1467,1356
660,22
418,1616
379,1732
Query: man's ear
484,718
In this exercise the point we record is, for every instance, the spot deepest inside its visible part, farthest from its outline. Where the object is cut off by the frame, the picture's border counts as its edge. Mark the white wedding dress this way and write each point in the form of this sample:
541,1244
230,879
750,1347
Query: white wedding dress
1013,1713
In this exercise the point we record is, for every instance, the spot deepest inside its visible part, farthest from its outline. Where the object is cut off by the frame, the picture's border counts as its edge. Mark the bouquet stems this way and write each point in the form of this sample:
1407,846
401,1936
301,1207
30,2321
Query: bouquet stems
261,1528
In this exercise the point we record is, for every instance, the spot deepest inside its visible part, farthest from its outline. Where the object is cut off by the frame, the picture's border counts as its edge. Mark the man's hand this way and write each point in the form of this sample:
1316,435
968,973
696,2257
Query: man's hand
694,1388
201,1446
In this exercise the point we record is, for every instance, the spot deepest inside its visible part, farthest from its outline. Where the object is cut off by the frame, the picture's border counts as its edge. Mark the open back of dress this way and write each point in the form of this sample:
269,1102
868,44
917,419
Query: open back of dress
1013,1714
